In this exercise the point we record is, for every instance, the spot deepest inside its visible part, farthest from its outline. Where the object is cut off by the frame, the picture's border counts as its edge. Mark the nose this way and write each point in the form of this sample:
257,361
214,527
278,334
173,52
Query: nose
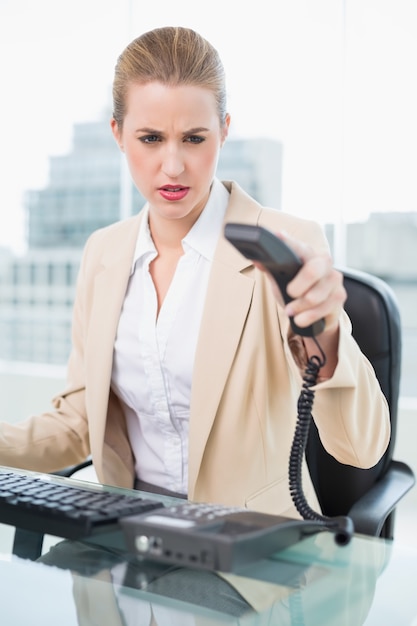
172,161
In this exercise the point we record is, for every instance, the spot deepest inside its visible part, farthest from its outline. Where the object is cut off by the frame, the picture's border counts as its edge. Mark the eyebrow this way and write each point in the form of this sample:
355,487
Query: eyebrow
191,131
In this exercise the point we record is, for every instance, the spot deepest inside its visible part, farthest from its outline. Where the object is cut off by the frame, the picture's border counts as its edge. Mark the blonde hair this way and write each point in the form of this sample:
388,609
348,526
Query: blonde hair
172,56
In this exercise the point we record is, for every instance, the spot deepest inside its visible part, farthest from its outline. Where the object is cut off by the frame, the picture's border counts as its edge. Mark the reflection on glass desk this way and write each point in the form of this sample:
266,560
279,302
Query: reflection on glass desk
316,582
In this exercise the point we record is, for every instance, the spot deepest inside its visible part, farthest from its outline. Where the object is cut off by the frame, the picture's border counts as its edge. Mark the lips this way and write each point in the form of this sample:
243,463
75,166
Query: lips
173,192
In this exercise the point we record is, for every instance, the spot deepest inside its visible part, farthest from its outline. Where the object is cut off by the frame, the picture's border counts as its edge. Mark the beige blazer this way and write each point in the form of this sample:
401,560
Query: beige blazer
245,386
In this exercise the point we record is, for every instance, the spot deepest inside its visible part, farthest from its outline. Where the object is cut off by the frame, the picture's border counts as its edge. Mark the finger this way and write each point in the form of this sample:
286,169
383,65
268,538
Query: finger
316,270
324,300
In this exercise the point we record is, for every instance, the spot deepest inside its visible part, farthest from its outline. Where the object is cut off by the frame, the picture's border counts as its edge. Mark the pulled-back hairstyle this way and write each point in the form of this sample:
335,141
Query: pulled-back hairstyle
172,56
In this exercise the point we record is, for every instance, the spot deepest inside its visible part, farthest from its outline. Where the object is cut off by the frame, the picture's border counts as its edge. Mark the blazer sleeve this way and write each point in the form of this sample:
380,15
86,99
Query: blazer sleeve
350,410
59,436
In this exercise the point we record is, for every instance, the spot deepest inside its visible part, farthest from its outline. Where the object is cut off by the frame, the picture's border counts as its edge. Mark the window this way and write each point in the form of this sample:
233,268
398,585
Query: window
330,83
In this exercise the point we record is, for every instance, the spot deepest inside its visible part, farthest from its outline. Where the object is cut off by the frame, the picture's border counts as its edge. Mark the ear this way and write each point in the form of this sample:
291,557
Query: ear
116,133
225,128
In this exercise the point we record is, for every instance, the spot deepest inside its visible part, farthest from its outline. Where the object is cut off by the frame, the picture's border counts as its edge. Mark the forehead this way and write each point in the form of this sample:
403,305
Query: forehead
155,102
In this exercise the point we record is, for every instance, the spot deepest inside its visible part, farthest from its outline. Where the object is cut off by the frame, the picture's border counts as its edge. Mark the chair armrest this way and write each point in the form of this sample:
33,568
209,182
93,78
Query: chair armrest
371,511
69,471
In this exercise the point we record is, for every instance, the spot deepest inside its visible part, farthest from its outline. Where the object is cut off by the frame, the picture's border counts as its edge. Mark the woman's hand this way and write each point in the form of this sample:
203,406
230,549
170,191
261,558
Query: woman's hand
317,292
317,289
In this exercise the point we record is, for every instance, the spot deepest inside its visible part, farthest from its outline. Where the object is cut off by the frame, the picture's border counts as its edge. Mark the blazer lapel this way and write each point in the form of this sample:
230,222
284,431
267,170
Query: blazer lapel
228,300
110,286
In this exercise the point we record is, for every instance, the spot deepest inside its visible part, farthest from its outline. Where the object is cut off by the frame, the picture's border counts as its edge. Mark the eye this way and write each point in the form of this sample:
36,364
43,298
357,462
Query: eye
150,138
194,139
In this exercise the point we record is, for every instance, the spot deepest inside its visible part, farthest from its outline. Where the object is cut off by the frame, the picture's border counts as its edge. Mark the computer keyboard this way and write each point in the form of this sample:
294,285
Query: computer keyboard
53,506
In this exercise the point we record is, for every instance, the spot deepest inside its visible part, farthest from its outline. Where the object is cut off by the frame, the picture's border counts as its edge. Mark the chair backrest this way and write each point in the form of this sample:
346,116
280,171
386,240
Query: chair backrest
376,326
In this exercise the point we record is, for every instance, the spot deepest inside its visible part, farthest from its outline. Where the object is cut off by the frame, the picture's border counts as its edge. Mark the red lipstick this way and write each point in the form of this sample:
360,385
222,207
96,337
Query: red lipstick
173,192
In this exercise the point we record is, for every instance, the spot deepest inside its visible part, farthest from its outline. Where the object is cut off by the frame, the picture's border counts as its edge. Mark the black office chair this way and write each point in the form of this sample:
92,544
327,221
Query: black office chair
368,496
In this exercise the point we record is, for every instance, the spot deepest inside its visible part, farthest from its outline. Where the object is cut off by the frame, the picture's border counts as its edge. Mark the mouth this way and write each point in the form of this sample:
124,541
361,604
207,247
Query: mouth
173,192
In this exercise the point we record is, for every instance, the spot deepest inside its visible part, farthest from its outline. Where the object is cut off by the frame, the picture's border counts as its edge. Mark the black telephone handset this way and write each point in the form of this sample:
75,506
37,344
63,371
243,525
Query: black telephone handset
259,244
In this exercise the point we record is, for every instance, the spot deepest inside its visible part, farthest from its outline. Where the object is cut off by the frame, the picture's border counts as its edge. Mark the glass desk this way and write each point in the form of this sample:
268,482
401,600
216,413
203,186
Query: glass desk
369,582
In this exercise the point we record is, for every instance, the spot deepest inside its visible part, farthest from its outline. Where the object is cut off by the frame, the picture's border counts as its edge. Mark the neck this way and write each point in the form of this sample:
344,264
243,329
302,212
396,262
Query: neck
168,234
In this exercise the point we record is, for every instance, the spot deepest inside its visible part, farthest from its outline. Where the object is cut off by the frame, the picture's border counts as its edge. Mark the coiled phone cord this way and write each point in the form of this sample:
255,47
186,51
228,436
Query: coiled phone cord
341,525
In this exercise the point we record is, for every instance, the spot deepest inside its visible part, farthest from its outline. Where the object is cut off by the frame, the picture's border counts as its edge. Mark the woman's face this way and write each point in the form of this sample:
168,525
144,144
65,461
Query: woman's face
172,137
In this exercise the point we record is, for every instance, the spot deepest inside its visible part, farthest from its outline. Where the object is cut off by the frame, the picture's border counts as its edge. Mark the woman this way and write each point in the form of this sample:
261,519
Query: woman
184,373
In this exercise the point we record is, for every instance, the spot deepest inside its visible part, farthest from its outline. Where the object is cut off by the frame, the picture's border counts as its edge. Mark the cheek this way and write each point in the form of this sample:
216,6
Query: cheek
207,159
138,161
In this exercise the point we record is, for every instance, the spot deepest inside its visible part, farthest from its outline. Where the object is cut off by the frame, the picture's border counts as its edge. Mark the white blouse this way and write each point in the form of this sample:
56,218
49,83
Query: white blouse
154,355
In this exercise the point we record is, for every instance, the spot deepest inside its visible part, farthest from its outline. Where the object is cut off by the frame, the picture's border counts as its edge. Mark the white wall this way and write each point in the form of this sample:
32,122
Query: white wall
27,390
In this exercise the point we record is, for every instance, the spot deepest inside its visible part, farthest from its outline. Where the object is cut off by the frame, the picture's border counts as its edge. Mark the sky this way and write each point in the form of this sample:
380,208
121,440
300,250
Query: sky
333,80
